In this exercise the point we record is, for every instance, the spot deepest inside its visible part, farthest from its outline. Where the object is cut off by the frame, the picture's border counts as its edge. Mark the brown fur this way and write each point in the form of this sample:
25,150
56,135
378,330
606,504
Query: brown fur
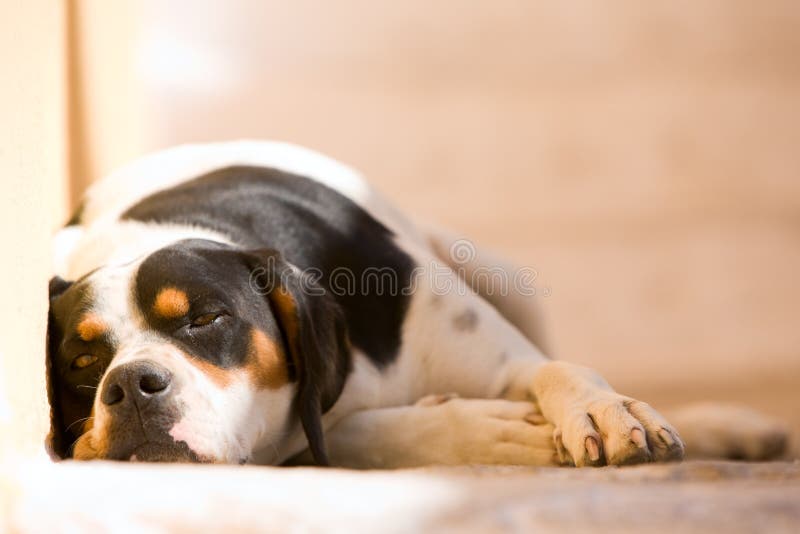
91,327
87,449
267,362
220,377
171,303
88,425
287,309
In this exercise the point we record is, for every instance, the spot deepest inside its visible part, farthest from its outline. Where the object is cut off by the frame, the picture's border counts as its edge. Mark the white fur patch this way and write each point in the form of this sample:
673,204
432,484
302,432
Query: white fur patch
110,197
103,239
118,243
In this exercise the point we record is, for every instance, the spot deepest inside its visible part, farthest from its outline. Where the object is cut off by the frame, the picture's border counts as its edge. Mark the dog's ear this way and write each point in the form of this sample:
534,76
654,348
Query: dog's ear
57,442
315,334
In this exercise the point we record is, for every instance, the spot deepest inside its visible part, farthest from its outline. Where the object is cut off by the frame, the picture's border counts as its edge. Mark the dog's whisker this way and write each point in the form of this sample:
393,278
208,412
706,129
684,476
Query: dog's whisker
79,421
71,448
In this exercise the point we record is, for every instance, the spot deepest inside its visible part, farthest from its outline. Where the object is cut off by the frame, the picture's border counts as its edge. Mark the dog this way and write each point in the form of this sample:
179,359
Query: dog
257,302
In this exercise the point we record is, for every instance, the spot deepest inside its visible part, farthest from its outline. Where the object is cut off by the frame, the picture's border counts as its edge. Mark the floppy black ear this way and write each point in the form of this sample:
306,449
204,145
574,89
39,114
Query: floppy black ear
315,334
57,442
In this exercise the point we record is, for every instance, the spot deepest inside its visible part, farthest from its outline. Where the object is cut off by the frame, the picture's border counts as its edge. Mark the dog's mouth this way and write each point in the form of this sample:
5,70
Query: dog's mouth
151,451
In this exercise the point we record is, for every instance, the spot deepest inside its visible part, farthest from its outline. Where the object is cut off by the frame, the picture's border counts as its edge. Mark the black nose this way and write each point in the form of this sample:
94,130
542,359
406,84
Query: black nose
136,381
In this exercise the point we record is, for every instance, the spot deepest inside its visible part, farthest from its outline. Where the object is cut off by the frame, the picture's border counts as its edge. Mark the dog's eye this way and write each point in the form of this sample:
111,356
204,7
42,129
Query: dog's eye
205,319
83,361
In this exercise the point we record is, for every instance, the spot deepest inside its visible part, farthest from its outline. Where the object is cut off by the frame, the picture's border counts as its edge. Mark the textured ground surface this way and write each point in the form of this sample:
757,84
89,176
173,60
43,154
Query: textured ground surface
692,497
688,497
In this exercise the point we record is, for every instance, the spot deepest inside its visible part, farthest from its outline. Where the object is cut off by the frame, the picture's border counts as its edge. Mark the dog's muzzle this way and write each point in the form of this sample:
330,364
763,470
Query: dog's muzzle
140,400
139,384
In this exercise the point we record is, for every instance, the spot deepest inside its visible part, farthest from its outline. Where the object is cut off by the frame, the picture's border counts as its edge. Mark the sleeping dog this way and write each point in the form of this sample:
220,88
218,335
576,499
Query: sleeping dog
257,302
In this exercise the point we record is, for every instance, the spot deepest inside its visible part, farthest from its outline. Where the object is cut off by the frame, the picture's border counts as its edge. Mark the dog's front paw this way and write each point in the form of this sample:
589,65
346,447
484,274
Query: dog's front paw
615,430
594,425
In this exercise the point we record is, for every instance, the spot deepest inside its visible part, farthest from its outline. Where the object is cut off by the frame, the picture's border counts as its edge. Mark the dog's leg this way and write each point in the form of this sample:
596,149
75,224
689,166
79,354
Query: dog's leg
709,430
458,342
441,430
729,431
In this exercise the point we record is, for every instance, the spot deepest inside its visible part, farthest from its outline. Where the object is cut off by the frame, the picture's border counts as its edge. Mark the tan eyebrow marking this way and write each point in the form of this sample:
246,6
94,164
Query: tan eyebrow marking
171,303
91,327
266,363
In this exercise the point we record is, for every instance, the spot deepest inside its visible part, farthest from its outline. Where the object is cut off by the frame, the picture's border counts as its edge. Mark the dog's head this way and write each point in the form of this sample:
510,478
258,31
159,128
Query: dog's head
198,352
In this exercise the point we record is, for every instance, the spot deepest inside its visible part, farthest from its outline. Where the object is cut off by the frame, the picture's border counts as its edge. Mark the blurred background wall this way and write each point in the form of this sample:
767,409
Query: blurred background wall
33,165
643,157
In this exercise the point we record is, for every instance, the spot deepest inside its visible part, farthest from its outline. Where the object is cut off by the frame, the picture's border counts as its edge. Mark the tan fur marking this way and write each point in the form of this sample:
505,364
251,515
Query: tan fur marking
266,364
171,303
91,327
88,425
284,301
87,448
287,312
219,376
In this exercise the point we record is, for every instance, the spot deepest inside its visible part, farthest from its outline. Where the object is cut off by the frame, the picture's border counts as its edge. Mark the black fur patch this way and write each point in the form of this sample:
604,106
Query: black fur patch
466,321
312,227
215,280
71,391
